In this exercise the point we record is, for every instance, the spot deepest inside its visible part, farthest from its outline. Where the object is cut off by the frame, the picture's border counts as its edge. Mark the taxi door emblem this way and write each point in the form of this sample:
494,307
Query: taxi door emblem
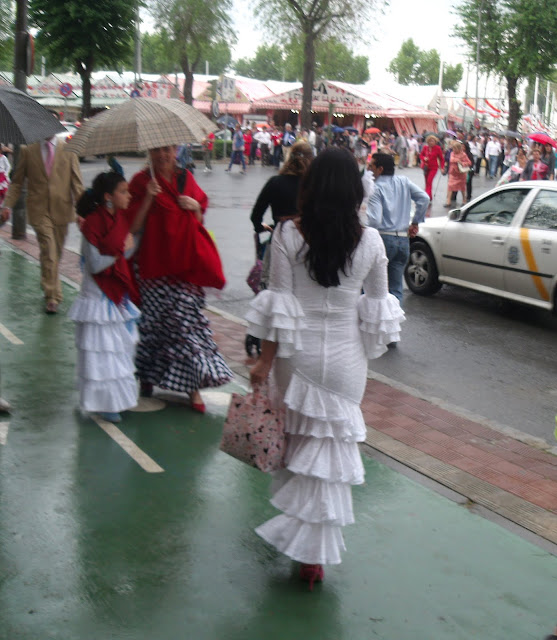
513,256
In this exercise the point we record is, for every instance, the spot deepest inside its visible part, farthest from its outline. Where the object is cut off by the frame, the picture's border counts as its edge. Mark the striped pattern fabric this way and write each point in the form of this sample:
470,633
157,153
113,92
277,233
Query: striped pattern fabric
23,120
141,124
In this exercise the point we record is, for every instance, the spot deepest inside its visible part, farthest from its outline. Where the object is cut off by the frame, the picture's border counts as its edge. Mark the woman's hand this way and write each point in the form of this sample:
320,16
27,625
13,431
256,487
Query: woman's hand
190,204
153,188
260,372
186,202
128,242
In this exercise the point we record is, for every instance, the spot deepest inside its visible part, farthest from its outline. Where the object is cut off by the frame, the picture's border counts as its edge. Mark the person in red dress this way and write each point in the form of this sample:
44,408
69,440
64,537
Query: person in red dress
175,260
431,159
248,139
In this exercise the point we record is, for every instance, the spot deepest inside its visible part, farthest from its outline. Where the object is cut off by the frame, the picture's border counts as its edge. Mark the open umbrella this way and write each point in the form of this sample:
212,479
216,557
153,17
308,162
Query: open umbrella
337,129
372,130
228,121
543,138
140,124
512,134
23,120
351,129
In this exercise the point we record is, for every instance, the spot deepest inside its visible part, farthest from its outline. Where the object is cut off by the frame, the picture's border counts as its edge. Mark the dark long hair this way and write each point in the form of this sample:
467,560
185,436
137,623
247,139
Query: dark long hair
330,196
91,198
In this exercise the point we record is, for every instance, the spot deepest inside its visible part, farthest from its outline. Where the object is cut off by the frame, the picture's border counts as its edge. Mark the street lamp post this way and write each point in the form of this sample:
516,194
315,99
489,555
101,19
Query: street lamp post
19,223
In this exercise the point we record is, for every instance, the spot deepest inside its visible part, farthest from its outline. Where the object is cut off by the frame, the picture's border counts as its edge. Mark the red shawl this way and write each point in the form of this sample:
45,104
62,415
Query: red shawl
174,243
108,232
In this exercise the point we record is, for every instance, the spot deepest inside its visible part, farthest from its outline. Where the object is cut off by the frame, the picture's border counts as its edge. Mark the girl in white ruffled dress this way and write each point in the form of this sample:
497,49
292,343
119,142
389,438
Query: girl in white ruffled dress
318,332
104,313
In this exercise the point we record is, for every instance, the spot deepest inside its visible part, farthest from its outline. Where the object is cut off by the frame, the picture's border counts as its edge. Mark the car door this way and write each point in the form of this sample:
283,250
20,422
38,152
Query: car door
531,251
473,249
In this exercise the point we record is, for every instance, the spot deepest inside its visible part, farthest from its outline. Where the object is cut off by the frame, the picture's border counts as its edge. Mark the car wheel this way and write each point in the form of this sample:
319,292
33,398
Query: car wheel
421,271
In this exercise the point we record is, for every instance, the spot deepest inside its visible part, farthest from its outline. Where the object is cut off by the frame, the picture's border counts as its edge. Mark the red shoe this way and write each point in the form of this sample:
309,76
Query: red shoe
199,407
312,573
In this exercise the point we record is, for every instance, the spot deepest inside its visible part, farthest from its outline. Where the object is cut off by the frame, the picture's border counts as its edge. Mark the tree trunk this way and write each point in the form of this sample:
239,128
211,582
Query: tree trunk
188,80
309,77
514,104
86,94
85,69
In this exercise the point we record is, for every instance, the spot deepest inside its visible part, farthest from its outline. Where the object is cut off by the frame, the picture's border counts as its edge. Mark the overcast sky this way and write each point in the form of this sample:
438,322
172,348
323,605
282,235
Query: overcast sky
429,24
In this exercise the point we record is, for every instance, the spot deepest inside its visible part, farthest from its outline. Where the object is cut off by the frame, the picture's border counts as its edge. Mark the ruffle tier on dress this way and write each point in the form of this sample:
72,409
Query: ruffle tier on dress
322,457
105,336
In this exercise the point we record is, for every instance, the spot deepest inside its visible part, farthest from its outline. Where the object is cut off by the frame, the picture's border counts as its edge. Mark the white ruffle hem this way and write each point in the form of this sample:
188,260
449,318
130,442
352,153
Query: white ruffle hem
105,336
323,420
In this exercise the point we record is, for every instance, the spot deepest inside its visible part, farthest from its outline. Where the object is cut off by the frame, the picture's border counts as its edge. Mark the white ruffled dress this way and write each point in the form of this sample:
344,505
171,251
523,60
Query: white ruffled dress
105,336
325,338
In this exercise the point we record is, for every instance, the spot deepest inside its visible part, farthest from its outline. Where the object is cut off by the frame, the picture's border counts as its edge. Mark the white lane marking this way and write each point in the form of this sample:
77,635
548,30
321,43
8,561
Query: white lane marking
4,426
142,459
9,335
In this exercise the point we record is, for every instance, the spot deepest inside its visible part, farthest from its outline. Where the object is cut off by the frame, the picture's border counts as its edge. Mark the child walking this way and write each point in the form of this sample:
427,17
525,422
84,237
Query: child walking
105,315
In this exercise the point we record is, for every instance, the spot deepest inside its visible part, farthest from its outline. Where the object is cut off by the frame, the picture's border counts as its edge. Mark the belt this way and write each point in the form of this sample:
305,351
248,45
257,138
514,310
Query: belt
394,233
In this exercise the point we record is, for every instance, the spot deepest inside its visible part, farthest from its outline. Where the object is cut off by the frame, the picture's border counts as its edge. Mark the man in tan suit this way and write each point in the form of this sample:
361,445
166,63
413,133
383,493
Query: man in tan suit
54,185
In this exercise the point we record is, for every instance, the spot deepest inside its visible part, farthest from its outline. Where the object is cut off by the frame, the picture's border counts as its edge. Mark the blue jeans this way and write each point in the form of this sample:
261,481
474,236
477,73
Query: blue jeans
397,249
233,156
493,162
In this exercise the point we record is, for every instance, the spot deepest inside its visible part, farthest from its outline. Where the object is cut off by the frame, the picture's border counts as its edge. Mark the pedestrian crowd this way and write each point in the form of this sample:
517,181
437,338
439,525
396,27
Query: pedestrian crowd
328,299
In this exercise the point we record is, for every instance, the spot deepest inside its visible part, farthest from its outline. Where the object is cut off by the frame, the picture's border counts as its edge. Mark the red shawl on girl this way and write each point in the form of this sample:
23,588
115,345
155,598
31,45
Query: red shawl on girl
108,232
174,243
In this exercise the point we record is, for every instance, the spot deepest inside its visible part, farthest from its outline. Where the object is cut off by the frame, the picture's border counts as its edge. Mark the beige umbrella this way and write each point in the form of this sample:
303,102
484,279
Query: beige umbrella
140,124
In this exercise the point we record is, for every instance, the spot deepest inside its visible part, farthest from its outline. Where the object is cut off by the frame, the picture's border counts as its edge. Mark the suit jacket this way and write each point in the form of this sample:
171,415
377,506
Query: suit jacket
52,196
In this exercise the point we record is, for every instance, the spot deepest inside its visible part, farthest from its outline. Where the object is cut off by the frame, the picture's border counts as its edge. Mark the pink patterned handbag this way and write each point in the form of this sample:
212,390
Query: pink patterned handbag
254,431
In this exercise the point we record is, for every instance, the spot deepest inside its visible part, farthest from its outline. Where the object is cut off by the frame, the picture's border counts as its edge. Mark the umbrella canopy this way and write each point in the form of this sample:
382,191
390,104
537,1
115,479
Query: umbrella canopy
337,130
23,120
372,130
512,134
450,132
351,129
543,138
140,124
228,121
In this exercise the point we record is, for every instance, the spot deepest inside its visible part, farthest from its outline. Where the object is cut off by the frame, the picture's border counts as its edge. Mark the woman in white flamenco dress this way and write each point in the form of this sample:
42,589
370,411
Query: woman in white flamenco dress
317,341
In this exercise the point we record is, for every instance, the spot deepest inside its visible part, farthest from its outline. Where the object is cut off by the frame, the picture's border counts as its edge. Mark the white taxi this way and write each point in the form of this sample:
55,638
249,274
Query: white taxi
504,243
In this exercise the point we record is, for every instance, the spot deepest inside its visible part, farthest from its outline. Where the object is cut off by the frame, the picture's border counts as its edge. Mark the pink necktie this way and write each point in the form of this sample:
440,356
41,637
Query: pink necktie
49,157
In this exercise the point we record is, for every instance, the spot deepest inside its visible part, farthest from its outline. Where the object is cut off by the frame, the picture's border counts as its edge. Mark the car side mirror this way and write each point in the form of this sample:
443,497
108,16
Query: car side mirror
456,215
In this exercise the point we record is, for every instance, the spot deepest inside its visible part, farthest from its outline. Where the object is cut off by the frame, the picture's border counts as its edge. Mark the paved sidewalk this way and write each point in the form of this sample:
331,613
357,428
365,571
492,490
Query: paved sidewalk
492,468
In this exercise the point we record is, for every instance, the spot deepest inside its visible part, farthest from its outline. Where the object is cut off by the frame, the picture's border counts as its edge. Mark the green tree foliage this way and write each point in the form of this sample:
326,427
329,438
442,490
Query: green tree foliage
333,61
160,56
413,65
517,40
193,28
310,22
89,35
267,63
6,35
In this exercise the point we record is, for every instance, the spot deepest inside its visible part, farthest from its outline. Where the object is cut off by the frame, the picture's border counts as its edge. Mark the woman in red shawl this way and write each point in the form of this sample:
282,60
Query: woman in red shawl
106,332
431,159
176,258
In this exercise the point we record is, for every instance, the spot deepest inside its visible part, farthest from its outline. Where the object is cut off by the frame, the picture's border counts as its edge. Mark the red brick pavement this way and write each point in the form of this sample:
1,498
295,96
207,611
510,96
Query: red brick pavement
484,453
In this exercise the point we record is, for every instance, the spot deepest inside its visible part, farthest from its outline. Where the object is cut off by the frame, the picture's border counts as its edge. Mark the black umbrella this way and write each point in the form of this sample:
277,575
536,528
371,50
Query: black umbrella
228,121
23,120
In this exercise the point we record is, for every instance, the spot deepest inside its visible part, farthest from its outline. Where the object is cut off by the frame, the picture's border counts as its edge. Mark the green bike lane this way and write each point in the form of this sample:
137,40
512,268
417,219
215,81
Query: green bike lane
92,546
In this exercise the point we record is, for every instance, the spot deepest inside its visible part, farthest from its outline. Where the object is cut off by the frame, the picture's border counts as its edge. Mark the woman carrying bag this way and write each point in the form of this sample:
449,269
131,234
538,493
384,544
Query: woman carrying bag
318,333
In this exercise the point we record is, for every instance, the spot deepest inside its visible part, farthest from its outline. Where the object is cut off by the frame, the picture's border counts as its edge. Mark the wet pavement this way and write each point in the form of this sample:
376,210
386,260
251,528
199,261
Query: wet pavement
95,543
